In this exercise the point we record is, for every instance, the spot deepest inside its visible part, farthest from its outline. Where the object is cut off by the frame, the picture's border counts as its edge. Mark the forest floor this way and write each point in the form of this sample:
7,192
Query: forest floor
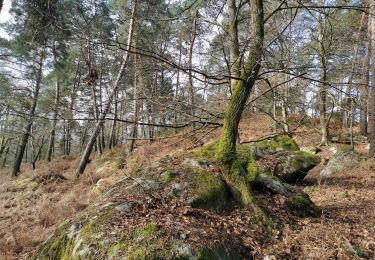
40,200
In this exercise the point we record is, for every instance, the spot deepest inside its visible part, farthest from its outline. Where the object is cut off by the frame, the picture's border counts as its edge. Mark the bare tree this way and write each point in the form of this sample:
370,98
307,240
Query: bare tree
107,105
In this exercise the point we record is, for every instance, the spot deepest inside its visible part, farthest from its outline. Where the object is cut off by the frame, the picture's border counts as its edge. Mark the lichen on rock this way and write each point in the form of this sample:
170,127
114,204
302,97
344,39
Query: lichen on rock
340,161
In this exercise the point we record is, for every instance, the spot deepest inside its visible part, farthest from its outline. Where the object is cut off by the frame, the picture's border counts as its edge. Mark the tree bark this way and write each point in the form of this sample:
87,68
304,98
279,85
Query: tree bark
178,76
134,131
234,49
365,81
322,84
51,143
227,147
106,107
25,136
112,138
372,91
191,87
5,157
346,109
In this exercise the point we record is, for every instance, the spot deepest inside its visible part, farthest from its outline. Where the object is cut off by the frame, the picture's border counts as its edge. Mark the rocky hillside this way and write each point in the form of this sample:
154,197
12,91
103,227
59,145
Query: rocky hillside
179,206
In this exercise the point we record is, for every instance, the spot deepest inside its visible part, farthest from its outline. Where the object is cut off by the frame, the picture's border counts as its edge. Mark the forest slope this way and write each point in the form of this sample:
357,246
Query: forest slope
39,201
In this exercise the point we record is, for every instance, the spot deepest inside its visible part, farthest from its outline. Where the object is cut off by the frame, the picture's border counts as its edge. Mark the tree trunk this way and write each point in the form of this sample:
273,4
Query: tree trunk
70,123
112,138
35,158
25,136
346,108
191,87
364,90
234,49
51,143
134,131
372,92
322,85
284,109
178,77
227,148
99,124
6,155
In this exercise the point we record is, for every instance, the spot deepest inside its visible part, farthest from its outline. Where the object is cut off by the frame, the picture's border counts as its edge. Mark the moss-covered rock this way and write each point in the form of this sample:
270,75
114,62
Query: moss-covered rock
207,191
273,144
292,167
117,226
97,239
77,241
302,205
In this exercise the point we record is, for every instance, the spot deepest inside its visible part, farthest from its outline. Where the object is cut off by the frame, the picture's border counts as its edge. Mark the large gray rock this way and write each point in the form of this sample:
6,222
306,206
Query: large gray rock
340,161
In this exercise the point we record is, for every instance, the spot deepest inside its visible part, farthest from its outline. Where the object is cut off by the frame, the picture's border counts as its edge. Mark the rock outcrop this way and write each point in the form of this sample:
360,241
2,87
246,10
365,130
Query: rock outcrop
180,208
340,161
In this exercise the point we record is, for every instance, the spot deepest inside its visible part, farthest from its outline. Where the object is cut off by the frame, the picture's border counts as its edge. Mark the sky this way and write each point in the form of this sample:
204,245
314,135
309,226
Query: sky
4,16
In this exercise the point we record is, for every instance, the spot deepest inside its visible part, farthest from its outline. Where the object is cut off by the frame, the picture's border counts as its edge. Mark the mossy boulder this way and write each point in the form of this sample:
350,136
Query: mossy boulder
140,218
302,205
273,144
95,239
207,191
292,167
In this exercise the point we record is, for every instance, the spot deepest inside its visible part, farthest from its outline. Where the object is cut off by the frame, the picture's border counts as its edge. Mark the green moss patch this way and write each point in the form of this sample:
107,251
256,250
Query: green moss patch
275,143
207,191
302,205
167,176
248,162
208,153
21,184
342,195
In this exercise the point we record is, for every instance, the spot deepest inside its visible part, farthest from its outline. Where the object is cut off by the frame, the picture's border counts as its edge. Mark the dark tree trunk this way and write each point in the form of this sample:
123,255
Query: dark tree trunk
51,143
112,138
25,136
191,87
